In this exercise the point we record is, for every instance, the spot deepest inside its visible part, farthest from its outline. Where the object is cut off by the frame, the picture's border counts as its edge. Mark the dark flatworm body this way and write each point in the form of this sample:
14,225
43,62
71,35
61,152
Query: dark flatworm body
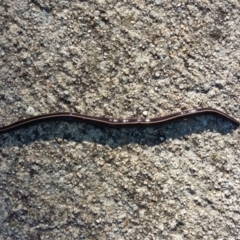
114,122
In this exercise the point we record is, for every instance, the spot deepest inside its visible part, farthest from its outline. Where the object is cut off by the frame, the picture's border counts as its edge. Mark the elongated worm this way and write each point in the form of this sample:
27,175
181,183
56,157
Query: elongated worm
114,122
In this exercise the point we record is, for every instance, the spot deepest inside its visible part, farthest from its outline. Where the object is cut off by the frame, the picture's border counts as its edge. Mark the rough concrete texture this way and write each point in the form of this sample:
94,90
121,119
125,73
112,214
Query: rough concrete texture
68,180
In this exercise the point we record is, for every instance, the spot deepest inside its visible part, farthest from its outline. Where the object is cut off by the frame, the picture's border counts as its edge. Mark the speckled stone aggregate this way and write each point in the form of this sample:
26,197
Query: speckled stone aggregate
68,180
